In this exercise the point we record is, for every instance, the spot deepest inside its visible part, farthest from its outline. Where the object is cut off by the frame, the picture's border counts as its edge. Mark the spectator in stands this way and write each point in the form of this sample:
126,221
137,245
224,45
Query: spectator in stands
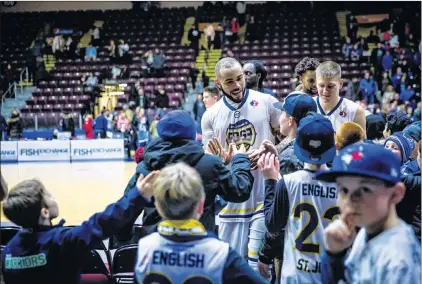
211,95
209,32
387,62
90,53
394,41
198,108
368,88
176,142
128,112
396,122
251,30
205,78
235,28
388,96
194,36
193,73
123,51
112,51
96,36
407,94
372,38
123,123
411,166
58,46
56,254
141,124
88,126
153,127
3,127
255,74
199,86
162,101
376,57
347,48
375,125
92,81
400,145
9,80
385,81
158,63
67,123
241,12
14,126
100,125
84,79
69,48
353,90
305,72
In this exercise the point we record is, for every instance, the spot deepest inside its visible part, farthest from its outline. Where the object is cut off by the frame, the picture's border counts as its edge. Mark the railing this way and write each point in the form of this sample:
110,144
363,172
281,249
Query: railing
25,70
9,90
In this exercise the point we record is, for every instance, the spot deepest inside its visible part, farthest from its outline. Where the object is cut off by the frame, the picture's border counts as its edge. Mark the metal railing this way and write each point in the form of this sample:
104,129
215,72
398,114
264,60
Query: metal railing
8,92
25,70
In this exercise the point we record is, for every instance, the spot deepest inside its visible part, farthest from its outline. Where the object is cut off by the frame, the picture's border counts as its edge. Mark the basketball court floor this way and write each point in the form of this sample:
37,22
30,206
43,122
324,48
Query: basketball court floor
81,189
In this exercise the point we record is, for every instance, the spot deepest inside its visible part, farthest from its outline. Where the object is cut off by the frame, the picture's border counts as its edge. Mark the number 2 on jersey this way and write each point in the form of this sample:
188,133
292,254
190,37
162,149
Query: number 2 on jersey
312,225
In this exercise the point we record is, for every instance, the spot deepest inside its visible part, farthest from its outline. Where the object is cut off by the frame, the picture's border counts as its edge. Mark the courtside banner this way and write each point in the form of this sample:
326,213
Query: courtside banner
52,150
98,149
9,151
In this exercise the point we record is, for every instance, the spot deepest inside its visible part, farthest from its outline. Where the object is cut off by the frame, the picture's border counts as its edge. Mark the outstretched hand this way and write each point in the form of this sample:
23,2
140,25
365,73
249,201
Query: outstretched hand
145,184
269,166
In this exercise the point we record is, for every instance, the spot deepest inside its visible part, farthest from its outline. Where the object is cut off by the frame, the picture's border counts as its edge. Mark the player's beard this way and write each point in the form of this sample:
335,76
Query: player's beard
230,97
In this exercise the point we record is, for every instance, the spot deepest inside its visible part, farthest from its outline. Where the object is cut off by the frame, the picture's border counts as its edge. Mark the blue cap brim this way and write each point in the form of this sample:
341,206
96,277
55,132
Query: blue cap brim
305,156
279,105
331,176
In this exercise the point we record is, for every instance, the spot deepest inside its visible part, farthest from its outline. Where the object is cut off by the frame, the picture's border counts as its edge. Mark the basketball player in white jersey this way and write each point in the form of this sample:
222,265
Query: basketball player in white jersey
301,204
247,117
338,110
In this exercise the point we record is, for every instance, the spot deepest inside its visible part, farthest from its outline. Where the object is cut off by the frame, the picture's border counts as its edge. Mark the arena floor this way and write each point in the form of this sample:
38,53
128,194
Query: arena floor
81,189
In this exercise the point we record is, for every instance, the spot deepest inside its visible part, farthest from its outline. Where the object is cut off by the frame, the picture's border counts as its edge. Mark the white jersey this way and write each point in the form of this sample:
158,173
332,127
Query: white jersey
161,260
312,206
250,123
344,111
391,257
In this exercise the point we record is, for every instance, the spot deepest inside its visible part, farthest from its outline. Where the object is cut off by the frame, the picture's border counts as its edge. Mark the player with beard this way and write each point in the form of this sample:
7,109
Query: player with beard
337,109
305,72
255,74
242,116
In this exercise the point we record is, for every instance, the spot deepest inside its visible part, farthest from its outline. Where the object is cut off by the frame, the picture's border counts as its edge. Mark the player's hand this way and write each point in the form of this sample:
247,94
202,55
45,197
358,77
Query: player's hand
254,157
264,270
340,234
268,146
235,150
269,166
144,184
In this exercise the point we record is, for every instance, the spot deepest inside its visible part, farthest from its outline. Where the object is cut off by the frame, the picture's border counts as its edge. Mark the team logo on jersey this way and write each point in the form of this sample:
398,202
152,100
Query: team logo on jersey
241,132
254,103
343,114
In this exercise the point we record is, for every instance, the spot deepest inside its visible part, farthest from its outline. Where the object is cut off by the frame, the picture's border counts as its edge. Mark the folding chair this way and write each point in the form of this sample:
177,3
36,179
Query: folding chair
124,261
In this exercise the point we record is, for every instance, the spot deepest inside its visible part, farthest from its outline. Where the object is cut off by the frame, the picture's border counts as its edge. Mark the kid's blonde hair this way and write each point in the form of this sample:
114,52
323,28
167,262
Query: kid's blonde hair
177,191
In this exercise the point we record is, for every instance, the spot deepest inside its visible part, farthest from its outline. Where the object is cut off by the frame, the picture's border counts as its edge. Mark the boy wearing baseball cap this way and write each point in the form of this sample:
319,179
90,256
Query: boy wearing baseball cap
385,250
301,204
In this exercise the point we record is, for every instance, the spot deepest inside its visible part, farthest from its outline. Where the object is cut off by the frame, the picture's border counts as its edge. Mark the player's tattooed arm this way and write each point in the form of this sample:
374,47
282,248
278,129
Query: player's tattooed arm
280,146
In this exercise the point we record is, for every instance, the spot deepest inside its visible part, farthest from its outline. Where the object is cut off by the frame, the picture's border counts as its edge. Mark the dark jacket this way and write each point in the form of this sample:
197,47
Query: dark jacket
273,244
53,254
162,100
233,186
409,209
68,124
3,124
14,126
101,123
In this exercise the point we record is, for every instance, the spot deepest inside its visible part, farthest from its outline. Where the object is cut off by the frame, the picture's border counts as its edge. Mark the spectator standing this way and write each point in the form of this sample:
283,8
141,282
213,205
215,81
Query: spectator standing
88,126
123,50
198,108
241,12
193,73
368,88
112,52
235,28
158,61
388,96
209,32
14,126
90,53
153,127
162,101
96,36
123,123
387,62
67,123
3,127
100,126
194,35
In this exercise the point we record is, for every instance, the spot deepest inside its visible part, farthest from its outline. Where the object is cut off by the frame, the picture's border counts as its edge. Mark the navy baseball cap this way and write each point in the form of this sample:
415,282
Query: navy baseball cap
177,124
366,160
297,104
314,142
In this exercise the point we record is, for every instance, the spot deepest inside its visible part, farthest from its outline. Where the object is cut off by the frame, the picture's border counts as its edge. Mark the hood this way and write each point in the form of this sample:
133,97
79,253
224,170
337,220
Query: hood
160,153
375,125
